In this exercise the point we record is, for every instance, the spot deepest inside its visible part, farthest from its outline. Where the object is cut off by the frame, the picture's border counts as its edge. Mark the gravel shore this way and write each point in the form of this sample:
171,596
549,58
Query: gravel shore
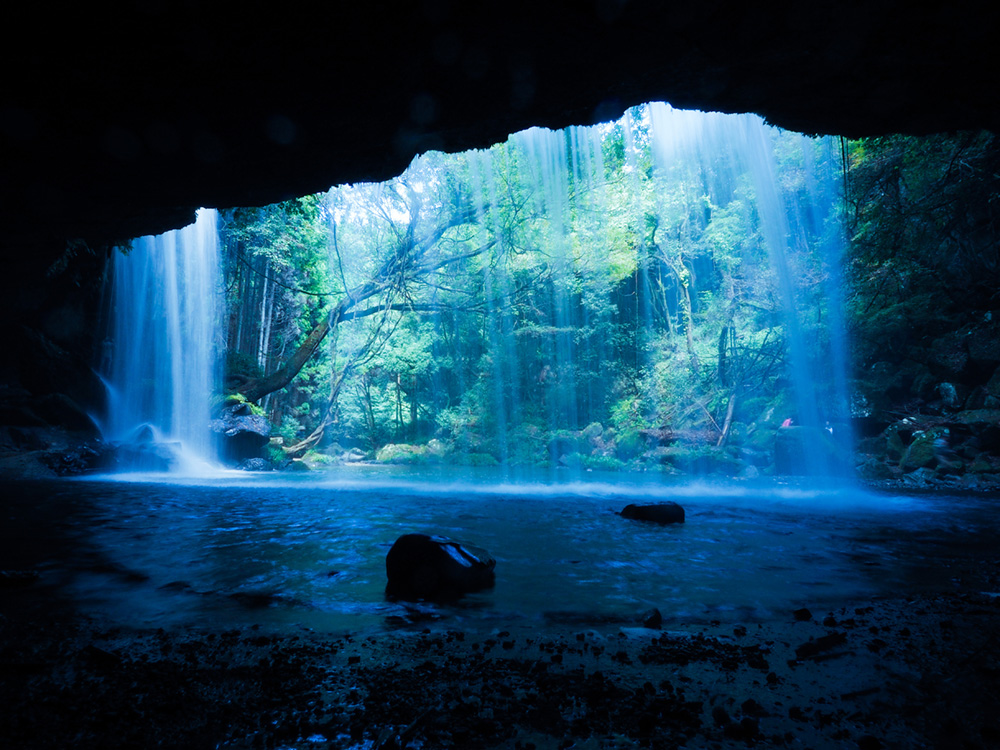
887,673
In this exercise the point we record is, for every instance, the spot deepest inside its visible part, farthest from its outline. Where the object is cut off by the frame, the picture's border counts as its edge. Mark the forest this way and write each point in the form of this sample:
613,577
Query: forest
649,294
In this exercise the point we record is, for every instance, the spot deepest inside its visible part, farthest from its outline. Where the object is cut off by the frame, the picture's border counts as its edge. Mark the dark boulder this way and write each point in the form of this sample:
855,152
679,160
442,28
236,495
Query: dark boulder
668,512
82,458
243,435
256,464
145,455
653,619
434,567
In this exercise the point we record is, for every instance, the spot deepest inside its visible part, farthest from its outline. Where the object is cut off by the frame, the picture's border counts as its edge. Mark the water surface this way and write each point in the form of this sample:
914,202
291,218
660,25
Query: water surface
285,550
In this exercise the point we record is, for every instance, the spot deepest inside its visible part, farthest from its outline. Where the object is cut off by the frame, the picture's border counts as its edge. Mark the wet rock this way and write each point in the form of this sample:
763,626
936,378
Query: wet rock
652,619
80,459
983,345
256,464
593,431
800,450
243,434
874,468
802,615
662,513
948,355
984,425
811,648
924,477
406,453
146,454
420,566
953,395
920,452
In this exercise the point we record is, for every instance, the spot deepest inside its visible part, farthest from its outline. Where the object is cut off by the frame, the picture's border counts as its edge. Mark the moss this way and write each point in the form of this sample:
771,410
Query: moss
481,459
629,444
602,463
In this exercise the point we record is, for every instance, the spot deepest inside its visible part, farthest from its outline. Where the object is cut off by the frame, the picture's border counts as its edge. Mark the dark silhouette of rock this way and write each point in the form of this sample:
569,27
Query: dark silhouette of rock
668,512
434,567
243,434
256,464
652,619
145,453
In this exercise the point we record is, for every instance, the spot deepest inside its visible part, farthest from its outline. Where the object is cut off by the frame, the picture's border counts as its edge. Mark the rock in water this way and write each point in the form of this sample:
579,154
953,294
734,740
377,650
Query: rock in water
256,464
435,567
243,435
657,513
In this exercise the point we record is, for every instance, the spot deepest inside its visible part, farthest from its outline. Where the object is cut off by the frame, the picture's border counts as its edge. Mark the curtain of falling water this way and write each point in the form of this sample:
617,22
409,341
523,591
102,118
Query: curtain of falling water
164,354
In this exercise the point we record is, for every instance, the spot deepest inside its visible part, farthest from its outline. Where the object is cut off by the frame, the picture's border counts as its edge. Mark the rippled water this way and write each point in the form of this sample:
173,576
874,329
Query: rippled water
287,549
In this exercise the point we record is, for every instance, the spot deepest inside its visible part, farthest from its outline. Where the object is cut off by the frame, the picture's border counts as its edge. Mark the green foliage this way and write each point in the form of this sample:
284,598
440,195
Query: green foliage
550,282
924,218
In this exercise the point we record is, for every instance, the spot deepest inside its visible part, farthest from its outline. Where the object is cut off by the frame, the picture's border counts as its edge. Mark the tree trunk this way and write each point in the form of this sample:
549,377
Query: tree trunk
396,272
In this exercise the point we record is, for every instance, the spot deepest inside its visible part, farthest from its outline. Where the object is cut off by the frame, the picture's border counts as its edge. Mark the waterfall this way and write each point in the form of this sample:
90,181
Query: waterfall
715,200
656,294
163,365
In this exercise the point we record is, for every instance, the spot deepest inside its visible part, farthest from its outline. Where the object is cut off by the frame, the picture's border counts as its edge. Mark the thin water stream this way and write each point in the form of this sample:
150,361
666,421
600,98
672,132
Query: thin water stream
284,550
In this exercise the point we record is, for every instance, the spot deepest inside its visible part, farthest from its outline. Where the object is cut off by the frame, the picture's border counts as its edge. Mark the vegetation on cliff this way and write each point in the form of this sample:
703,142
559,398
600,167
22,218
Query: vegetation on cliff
564,298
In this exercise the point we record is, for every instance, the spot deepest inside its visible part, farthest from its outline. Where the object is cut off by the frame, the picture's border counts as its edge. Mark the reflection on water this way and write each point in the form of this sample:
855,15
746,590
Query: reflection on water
283,549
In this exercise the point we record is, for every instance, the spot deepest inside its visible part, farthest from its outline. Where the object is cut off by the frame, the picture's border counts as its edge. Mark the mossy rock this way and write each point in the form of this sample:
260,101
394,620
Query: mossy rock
923,384
481,459
948,356
702,460
738,432
438,448
920,452
602,463
873,468
895,448
982,465
629,445
761,438
571,460
751,409
400,453
803,451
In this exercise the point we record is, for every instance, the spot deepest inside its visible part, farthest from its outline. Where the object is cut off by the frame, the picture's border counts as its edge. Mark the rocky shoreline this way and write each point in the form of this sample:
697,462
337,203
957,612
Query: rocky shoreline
889,673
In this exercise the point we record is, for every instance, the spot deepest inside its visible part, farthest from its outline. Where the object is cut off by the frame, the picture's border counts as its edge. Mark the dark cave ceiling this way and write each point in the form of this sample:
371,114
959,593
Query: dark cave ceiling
117,124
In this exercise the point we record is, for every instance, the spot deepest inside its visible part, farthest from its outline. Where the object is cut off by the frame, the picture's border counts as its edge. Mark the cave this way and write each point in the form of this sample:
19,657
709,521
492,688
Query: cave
121,123
117,124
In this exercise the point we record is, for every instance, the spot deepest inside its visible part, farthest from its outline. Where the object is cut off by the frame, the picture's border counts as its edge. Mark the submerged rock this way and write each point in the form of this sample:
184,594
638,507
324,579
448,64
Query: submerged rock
664,513
434,567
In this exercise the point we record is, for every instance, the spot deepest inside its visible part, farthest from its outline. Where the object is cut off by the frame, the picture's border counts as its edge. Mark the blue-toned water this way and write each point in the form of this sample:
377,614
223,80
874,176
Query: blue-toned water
285,550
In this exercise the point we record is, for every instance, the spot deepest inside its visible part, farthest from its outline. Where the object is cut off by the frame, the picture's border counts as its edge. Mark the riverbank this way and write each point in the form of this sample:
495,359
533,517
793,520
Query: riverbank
887,673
